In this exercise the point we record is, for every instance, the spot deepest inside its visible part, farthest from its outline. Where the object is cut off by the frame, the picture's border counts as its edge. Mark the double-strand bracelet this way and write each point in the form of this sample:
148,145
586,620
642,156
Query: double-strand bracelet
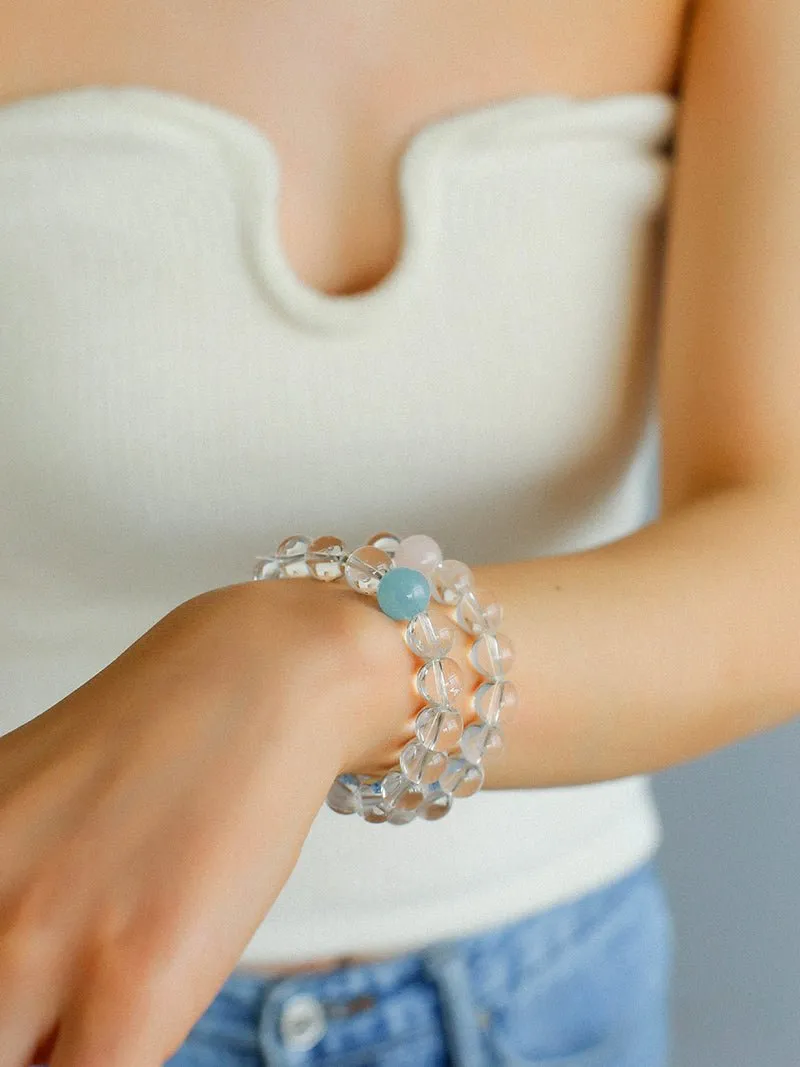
444,760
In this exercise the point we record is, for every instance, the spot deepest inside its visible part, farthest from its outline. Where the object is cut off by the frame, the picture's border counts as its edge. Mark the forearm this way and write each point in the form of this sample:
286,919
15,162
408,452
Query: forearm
630,657
654,649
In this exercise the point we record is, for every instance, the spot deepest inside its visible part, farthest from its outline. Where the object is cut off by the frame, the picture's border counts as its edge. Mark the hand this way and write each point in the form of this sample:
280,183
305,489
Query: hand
150,818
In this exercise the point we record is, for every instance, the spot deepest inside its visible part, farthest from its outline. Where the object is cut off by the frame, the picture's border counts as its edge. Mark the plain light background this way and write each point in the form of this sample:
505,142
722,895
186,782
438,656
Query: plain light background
732,866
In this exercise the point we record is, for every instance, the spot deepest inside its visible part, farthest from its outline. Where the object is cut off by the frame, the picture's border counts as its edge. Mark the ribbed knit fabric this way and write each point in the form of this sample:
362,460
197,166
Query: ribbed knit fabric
174,400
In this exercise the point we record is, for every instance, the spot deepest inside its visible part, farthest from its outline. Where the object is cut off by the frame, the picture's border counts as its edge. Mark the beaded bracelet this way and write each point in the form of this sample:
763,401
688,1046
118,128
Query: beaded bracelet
403,575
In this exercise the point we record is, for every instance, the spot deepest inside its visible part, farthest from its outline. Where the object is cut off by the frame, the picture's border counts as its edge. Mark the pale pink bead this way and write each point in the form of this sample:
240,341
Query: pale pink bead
419,552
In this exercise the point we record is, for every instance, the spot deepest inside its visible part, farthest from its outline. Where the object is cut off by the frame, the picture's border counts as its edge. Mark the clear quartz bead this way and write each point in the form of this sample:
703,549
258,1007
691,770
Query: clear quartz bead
478,612
480,740
461,778
386,542
439,728
439,681
373,802
494,701
291,553
450,580
401,818
344,795
377,813
435,804
325,557
492,655
266,568
365,567
420,765
426,639
400,793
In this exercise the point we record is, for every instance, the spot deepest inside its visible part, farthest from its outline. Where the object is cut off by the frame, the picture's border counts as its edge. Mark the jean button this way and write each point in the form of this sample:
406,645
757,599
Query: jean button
302,1022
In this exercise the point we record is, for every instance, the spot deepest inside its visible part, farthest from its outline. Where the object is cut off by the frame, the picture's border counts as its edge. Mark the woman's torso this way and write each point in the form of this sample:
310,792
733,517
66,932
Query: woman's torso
339,88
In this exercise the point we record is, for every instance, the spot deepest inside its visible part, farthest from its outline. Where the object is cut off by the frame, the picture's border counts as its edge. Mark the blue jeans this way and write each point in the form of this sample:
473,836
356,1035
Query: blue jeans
583,984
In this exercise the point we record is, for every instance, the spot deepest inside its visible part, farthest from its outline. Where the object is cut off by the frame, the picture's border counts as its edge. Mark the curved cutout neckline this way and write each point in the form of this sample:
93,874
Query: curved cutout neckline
307,304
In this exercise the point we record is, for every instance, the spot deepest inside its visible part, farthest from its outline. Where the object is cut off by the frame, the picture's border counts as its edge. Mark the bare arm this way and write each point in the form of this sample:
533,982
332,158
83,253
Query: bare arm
655,649
682,637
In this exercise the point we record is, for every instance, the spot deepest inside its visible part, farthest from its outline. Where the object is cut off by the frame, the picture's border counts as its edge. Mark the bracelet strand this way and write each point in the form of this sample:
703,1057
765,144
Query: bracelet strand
444,760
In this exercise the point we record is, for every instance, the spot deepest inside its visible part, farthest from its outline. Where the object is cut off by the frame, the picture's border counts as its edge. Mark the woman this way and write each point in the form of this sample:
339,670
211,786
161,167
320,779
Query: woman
347,268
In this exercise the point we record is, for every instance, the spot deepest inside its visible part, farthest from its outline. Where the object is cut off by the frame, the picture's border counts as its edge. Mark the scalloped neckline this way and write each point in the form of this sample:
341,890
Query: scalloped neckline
306,303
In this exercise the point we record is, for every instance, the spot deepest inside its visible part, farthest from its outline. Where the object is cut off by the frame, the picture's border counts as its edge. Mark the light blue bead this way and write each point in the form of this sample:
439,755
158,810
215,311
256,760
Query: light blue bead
403,593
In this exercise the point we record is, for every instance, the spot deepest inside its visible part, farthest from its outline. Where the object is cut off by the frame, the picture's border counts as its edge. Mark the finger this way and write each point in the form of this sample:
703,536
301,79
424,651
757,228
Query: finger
22,1044
28,1006
43,1051
128,1011
110,1027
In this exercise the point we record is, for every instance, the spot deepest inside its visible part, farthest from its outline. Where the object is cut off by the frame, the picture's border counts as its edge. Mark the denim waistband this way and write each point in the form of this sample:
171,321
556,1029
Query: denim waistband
446,989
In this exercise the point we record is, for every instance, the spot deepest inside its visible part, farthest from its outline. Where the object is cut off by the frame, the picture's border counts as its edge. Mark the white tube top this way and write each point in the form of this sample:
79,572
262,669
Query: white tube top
174,400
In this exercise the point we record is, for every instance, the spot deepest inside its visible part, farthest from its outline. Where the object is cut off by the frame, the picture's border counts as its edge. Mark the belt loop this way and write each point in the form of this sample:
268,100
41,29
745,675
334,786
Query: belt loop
447,968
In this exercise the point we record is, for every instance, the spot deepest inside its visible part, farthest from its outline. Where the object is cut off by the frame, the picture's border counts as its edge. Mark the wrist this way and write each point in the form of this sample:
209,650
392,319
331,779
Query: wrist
325,670
383,704
322,668
375,701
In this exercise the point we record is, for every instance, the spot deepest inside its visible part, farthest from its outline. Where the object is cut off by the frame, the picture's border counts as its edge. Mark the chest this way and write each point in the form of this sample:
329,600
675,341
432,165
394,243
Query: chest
161,423
340,86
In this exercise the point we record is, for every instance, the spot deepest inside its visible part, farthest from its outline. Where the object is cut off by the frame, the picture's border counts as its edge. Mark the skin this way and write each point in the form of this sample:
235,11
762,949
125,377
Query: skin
671,642
357,78
148,819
